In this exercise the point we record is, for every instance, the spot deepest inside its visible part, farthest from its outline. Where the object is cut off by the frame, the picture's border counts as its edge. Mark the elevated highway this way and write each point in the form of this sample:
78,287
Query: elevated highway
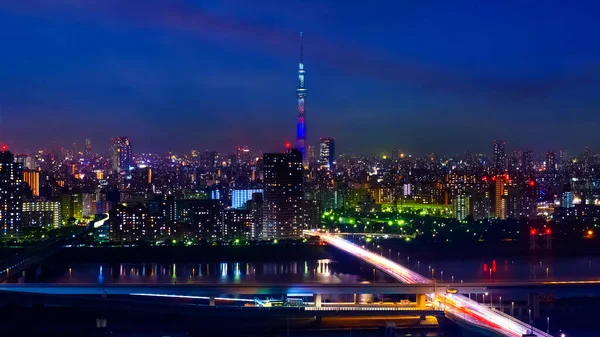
460,308
263,288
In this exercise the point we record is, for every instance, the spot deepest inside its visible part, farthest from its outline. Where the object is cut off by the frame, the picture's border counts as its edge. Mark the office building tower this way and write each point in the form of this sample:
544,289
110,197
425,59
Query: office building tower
327,153
567,199
551,161
240,197
563,157
499,156
88,148
10,193
311,153
32,178
500,202
461,206
41,214
301,93
122,156
283,209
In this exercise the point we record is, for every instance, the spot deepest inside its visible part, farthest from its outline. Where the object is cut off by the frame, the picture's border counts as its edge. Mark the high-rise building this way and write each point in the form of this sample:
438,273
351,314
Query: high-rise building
301,93
88,148
89,204
563,156
133,223
528,162
10,193
206,219
461,206
122,156
32,178
327,153
499,156
237,224
551,161
255,207
71,207
41,214
21,159
243,154
283,209
240,197
567,199
500,202
311,153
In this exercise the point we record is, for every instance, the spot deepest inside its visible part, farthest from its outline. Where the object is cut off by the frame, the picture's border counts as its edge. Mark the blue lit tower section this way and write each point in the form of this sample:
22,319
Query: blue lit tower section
301,92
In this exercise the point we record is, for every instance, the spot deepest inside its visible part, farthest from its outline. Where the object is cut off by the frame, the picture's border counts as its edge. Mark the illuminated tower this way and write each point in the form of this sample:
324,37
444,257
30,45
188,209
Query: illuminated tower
301,92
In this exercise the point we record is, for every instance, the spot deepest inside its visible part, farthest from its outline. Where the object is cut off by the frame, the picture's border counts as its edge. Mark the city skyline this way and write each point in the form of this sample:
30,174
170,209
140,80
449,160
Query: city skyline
184,76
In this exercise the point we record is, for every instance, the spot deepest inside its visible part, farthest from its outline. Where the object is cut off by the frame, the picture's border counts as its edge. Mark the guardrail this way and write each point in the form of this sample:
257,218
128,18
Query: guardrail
410,309
514,320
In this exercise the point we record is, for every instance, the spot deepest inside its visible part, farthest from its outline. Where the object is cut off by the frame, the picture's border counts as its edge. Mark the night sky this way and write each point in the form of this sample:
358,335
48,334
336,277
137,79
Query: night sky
443,76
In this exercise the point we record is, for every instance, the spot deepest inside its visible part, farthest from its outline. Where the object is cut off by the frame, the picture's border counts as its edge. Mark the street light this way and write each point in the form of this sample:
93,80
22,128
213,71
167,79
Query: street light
501,304
530,322
442,277
490,275
452,279
548,325
512,309
484,299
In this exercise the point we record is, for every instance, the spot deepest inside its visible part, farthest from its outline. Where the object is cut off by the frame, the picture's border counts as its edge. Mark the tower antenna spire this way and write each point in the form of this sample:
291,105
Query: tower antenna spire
301,93
301,48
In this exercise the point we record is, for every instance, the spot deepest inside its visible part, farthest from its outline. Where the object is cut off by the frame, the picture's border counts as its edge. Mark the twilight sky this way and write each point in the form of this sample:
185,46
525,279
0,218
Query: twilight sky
443,76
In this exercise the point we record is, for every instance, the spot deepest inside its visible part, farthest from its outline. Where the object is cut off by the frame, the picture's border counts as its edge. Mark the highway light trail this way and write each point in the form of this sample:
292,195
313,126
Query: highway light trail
457,307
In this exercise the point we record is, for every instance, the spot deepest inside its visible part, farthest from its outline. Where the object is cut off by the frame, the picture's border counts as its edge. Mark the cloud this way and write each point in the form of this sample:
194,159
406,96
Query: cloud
181,16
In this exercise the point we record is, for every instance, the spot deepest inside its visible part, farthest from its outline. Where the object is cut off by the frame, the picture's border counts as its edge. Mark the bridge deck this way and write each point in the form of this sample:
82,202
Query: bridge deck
459,307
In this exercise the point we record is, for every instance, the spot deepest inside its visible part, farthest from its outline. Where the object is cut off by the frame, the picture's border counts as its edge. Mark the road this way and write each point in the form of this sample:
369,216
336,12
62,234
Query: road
457,307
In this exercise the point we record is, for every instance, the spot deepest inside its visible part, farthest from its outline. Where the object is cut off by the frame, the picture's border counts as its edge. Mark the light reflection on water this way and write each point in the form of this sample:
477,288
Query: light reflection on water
327,271
526,268
322,271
